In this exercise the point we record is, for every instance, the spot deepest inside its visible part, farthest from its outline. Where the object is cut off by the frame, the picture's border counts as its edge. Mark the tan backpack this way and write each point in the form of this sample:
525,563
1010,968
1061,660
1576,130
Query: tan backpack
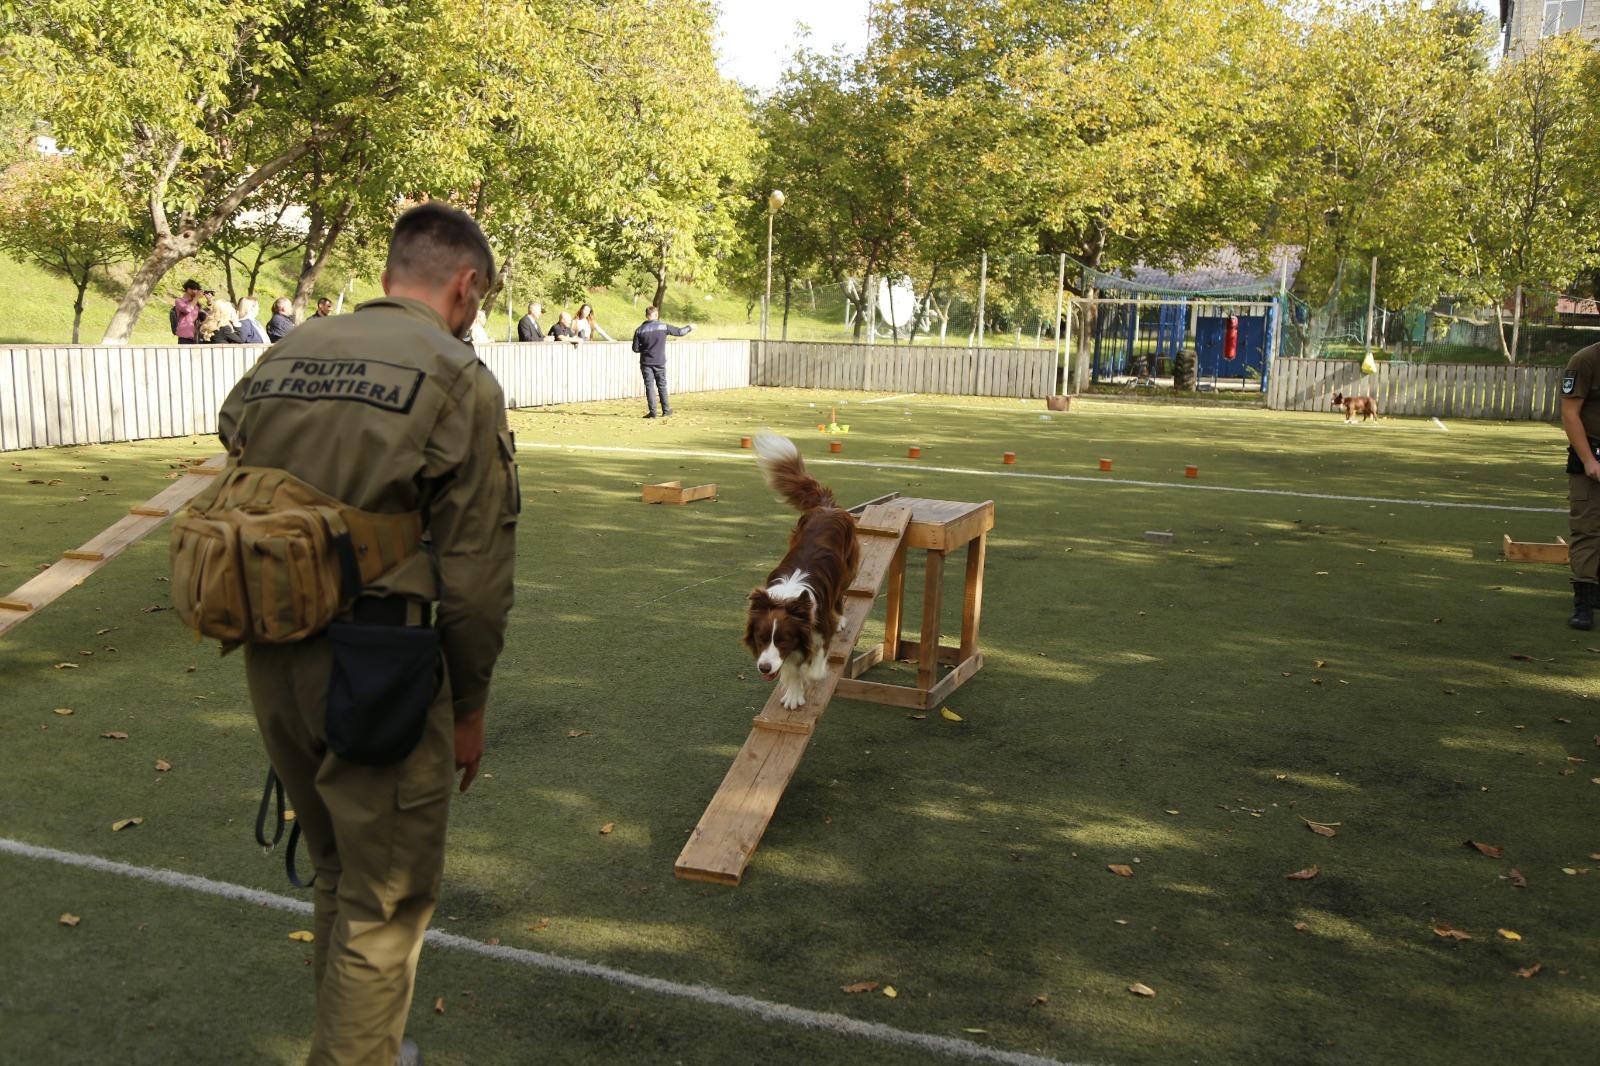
262,557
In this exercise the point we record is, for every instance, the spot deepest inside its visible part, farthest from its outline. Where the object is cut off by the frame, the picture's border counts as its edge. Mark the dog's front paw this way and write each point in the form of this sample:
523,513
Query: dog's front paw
793,696
843,621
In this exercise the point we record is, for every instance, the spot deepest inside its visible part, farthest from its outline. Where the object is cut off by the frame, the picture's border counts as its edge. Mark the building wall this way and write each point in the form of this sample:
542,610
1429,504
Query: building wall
1527,16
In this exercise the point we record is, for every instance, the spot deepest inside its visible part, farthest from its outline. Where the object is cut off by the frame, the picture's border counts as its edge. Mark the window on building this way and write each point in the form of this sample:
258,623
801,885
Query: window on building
1561,16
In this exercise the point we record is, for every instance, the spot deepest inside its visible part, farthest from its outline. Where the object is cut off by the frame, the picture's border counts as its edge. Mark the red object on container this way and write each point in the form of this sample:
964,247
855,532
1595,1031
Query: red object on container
744,442
1105,464
1009,458
914,452
1230,340
1191,471
836,445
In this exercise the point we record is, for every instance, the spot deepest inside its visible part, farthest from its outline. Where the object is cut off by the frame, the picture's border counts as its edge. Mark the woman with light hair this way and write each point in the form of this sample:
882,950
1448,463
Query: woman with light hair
221,325
249,329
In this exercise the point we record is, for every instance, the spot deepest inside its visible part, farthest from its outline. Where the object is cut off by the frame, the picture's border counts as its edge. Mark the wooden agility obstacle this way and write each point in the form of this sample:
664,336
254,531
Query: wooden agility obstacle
1522,551
77,564
731,828
674,492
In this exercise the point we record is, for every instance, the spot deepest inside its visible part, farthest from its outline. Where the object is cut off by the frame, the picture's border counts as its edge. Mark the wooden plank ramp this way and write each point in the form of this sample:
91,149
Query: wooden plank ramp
732,826
77,564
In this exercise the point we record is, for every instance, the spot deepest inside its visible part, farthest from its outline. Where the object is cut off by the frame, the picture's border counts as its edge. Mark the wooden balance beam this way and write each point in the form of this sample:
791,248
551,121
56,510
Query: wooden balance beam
732,826
77,564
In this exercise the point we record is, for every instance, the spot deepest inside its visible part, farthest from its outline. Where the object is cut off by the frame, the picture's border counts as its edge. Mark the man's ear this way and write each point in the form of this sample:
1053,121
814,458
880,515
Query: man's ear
383,279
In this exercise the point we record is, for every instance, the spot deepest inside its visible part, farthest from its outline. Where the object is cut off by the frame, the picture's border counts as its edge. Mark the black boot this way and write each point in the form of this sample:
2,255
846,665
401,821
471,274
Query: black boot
1584,597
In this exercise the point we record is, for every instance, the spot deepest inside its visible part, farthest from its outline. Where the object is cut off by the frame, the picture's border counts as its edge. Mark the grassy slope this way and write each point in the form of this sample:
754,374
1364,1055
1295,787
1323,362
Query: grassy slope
962,862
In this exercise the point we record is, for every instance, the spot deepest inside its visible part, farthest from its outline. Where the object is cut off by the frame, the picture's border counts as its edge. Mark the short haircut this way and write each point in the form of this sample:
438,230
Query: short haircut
281,305
652,311
190,284
432,241
250,302
535,306
323,300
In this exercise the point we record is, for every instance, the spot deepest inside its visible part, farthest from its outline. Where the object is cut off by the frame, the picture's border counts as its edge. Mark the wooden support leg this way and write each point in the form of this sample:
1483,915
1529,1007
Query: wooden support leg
972,604
932,600
895,604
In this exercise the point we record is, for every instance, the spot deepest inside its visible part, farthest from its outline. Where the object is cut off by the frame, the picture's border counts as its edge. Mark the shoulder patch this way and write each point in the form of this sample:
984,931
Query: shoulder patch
1569,381
387,386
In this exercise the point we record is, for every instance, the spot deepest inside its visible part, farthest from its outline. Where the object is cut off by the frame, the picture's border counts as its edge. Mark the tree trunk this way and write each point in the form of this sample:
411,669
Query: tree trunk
661,280
77,304
166,254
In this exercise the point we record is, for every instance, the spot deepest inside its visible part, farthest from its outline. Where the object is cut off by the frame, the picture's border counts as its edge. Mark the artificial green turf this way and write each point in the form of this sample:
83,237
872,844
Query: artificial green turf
963,863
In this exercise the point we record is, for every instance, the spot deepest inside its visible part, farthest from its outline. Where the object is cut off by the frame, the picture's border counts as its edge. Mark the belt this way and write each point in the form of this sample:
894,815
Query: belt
391,611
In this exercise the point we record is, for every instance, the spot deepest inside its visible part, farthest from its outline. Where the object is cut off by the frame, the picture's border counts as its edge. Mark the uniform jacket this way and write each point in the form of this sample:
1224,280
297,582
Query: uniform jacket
278,327
528,329
650,340
386,411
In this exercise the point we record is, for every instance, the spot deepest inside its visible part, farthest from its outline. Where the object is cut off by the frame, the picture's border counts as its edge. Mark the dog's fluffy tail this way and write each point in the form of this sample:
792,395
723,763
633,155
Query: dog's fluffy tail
785,472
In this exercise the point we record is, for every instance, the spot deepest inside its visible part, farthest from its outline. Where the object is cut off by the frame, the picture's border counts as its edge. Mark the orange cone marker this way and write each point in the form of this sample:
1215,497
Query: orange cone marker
1105,465
744,442
913,452
1191,471
836,445
1009,458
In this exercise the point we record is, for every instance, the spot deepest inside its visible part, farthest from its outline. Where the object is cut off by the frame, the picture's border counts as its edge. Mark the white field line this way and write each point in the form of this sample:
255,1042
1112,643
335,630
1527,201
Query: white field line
889,399
760,1008
1441,425
742,456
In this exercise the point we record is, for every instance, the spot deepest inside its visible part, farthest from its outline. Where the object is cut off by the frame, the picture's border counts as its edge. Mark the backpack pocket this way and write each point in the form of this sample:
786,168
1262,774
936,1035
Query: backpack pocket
207,584
291,573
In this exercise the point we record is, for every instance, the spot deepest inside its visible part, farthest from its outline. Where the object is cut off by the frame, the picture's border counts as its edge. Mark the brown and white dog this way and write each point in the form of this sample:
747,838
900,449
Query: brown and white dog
1365,406
796,613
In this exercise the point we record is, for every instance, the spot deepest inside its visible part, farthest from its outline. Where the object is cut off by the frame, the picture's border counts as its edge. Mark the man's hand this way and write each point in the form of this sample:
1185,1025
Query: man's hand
1592,468
469,746
689,328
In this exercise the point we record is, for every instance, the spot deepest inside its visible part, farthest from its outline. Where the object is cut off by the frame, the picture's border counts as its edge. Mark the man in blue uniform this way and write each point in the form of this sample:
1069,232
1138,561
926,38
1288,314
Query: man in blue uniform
650,341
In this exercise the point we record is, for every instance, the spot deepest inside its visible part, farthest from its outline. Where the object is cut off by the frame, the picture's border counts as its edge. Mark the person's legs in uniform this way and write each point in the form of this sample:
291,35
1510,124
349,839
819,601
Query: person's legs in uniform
661,387
1583,498
650,390
376,838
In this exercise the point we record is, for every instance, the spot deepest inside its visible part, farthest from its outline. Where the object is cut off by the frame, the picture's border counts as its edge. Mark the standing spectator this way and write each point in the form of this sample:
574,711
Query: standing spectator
279,325
249,328
1580,417
563,331
185,316
221,325
650,341
324,308
479,333
586,327
528,329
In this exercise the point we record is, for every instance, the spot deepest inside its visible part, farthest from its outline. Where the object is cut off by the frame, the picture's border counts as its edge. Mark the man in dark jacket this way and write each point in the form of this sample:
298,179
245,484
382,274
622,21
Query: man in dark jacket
528,328
279,325
650,341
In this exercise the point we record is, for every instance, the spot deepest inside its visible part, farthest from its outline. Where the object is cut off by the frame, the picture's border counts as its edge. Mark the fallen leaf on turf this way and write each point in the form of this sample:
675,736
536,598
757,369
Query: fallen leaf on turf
304,936
62,712
1303,875
1138,988
162,766
1531,970
1509,934
115,734
1517,880
1563,721
1174,810
860,986
66,666
69,919
494,941
1121,869
1594,855
1299,927
982,1031
917,717
1485,849
1322,829
948,715
889,991
1041,1000
1321,663
573,734
1280,777
607,828
1569,871
438,1005
1445,929
103,632
117,827
540,926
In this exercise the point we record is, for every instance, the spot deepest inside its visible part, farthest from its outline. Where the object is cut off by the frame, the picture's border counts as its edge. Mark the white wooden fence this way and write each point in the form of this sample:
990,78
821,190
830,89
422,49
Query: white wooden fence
1022,372
60,395
1443,390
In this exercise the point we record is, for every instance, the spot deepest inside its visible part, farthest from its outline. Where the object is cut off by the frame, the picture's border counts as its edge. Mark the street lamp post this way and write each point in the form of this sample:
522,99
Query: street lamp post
774,201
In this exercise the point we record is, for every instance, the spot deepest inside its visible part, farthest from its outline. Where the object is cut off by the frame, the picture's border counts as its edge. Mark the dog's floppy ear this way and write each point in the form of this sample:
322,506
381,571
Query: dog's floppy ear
760,600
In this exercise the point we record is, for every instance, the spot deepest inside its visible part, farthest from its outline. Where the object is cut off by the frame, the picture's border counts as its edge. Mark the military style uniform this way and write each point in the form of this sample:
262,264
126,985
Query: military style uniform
387,412
1581,380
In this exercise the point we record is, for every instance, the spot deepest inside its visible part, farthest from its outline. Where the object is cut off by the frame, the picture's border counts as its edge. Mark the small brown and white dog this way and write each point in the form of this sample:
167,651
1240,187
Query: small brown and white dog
1365,406
796,613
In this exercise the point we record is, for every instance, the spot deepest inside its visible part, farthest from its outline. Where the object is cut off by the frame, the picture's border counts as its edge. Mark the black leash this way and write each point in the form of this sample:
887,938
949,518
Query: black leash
275,786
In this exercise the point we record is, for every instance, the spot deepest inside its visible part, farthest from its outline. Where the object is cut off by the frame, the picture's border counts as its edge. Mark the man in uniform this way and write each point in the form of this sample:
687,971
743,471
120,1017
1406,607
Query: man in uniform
1580,417
387,410
650,342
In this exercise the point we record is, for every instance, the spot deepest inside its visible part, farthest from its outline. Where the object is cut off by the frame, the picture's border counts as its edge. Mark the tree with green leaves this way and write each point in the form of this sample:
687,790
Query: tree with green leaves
67,217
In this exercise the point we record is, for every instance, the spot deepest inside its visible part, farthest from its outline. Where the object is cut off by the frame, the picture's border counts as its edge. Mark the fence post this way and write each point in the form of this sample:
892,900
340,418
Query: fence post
983,289
1058,348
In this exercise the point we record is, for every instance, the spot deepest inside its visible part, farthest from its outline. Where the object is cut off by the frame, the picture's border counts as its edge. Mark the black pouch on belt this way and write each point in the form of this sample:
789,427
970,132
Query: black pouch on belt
1574,464
383,680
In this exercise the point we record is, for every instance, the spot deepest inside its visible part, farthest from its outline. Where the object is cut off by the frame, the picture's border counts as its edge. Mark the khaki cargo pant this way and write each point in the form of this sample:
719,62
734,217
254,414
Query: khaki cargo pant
1583,501
375,835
